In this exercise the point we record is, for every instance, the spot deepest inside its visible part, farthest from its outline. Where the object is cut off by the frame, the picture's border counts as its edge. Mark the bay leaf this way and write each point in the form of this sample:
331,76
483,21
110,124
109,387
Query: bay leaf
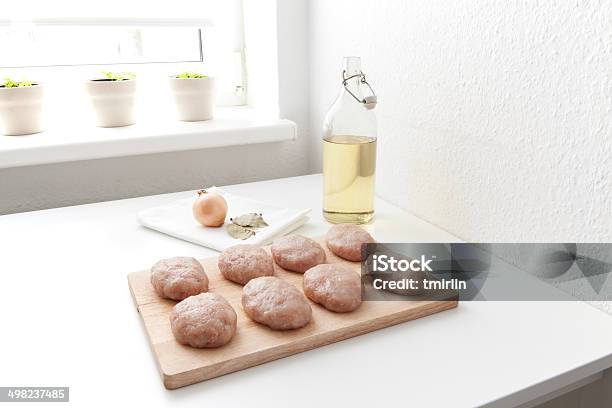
252,220
239,232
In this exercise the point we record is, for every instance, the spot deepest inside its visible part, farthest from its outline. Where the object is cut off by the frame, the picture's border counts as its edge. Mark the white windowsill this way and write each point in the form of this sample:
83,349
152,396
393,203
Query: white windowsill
231,126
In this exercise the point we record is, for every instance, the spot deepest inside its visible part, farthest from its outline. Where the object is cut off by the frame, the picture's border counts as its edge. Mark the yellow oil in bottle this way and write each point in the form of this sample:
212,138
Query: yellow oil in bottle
349,168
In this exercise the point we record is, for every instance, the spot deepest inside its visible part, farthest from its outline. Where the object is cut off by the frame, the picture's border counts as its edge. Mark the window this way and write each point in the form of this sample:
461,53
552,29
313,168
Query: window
63,43
58,43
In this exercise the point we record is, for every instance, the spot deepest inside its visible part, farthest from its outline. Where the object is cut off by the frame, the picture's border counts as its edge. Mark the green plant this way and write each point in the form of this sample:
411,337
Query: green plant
118,76
190,74
11,83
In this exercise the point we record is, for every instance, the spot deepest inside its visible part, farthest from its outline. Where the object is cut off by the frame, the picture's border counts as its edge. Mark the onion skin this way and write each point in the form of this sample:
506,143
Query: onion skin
210,209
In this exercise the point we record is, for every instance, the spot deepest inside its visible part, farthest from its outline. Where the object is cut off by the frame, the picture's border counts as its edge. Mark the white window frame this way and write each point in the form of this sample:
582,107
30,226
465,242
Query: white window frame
273,51
232,95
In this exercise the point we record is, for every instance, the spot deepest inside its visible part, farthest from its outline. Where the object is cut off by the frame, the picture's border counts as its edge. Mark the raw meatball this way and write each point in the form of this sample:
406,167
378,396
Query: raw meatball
297,253
204,320
178,278
345,241
335,286
241,263
275,303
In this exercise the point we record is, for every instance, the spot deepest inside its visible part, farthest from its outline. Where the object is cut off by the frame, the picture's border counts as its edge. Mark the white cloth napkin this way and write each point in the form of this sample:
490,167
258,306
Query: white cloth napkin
176,219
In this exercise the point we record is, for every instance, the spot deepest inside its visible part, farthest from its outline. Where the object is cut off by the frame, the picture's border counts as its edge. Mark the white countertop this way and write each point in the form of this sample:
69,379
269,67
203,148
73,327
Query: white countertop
68,320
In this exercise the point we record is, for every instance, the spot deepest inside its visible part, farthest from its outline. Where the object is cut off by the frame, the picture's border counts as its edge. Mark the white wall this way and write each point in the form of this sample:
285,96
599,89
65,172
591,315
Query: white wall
56,185
494,116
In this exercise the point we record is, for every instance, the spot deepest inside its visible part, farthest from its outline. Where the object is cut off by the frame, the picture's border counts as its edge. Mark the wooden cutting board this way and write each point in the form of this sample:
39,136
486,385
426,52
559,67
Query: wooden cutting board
254,343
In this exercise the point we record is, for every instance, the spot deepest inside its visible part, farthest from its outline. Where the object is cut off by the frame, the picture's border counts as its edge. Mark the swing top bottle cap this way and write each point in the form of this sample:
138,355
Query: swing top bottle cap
370,101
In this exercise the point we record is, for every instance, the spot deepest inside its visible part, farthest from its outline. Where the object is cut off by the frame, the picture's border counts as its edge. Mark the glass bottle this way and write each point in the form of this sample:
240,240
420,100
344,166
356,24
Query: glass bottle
349,150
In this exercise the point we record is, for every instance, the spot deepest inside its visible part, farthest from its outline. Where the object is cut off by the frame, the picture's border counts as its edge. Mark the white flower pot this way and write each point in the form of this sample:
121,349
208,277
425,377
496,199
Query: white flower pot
194,97
21,110
113,101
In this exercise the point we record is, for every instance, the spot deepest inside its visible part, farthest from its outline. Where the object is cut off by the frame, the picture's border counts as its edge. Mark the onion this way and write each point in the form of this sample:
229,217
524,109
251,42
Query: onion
210,209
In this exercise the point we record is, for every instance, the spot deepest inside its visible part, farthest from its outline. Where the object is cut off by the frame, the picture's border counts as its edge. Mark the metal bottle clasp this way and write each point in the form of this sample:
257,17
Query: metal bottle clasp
369,101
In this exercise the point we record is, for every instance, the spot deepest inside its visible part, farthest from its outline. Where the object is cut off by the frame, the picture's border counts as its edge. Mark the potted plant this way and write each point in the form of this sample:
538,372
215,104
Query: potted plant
112,98
194,95
20,107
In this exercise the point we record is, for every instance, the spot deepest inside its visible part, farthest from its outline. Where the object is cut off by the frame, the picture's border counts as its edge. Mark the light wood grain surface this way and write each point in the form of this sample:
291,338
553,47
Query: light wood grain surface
254,343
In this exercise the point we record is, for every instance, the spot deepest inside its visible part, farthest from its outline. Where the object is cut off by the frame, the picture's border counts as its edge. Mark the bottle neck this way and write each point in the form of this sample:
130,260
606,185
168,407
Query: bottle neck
352,67
353,85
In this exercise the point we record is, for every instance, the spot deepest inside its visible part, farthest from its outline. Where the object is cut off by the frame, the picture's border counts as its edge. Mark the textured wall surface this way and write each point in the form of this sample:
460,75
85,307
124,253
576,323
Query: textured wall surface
57,185
494,117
